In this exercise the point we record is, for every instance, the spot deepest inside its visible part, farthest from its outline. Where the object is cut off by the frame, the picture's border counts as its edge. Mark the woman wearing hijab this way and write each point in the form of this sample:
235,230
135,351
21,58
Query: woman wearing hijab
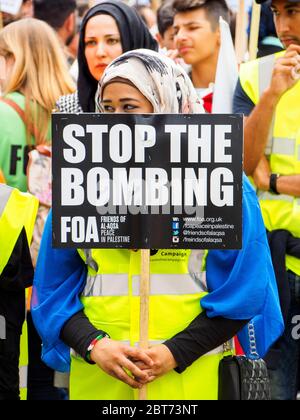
108,29
71,310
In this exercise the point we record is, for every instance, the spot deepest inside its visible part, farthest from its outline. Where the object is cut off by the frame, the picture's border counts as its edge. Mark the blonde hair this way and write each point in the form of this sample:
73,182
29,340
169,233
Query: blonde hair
39,72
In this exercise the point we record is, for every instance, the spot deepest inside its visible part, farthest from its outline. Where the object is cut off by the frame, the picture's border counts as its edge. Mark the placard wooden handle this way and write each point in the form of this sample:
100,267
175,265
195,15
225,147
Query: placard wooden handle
241,32
144,308
254,33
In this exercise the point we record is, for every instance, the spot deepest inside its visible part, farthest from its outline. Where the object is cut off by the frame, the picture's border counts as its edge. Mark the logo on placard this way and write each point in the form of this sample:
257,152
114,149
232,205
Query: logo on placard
175,230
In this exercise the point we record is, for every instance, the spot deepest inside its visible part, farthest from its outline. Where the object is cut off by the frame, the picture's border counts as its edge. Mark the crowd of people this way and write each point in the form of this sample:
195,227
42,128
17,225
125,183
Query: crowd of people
77,340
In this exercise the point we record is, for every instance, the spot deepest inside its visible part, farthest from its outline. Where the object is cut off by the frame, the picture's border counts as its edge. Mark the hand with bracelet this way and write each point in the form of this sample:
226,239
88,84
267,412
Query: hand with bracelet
113,357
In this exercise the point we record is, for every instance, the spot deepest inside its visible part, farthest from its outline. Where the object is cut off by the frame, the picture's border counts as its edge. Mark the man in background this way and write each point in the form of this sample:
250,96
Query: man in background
198,41
61,15
268,94
165,21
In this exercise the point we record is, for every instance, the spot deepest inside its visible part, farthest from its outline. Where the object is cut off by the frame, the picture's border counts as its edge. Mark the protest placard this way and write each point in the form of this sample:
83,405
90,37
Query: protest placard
147,181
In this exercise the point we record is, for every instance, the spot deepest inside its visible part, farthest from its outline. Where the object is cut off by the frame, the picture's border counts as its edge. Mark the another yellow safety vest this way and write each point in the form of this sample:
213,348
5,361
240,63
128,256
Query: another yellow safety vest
17,211
283,149
112,303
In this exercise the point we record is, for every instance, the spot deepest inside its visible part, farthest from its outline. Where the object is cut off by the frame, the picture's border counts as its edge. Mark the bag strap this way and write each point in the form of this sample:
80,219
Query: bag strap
32,129
252,340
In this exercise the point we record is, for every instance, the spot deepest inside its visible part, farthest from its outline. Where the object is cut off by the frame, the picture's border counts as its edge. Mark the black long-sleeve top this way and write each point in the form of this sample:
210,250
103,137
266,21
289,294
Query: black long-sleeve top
200,337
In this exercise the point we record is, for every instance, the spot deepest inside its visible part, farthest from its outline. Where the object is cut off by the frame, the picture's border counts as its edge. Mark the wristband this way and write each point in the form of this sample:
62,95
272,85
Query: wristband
92,345
273,183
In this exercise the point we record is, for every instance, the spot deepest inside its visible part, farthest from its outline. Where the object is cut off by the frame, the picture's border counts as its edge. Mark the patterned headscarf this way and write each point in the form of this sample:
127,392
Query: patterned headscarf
164,83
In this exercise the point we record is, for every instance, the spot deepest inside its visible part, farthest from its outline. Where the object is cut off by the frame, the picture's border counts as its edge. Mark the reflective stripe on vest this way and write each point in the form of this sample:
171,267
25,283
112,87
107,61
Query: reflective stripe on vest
263,195
283,146
23,362
160,284
265,70
23,375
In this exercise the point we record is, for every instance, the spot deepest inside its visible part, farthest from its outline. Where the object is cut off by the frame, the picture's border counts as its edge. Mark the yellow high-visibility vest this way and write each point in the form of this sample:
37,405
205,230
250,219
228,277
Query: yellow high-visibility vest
112,303
17,211
283,148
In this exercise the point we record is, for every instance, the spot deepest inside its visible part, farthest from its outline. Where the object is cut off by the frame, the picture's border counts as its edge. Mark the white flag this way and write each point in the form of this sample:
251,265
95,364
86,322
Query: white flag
227,73
10,6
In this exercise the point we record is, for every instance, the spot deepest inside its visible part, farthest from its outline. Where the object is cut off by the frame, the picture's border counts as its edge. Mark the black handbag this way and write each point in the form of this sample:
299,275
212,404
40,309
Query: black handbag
241,378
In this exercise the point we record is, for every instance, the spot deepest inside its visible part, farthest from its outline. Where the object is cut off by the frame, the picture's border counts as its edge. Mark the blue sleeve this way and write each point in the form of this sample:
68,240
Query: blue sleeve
59,279
242,104
242,284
